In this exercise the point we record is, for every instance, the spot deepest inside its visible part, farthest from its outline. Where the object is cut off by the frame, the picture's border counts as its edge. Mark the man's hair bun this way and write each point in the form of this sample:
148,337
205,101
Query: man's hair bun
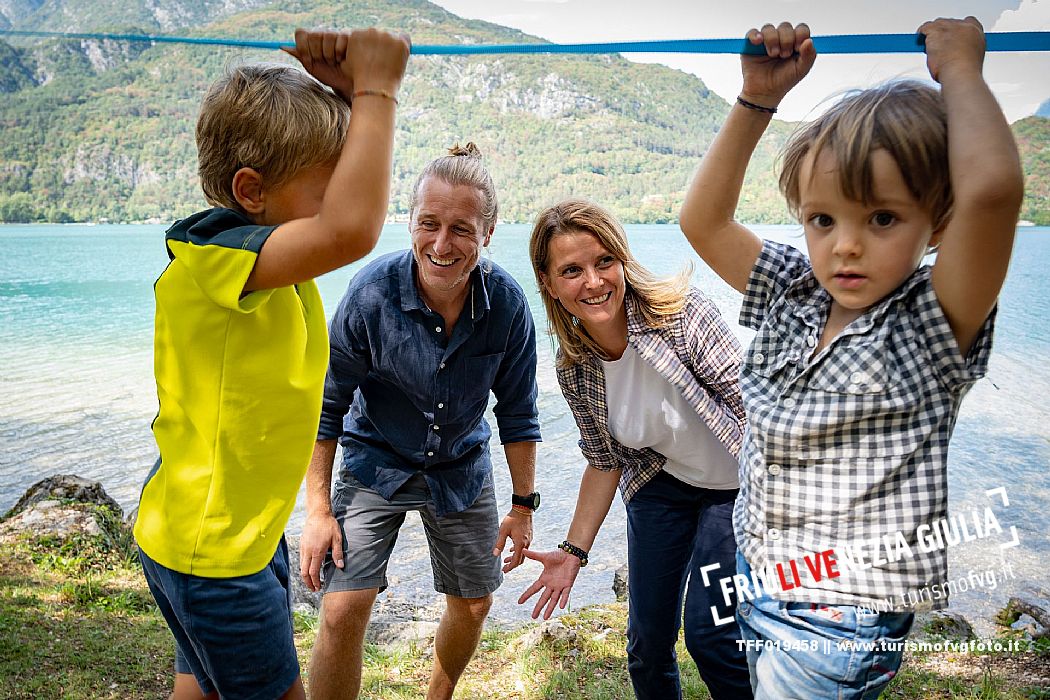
470,150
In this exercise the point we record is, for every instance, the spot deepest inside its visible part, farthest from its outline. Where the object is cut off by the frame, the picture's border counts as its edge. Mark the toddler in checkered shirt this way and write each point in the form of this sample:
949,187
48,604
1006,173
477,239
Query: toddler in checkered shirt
861,356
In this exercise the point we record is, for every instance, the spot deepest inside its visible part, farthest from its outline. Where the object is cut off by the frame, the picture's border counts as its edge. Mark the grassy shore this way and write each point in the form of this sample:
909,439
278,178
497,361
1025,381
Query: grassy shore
77,622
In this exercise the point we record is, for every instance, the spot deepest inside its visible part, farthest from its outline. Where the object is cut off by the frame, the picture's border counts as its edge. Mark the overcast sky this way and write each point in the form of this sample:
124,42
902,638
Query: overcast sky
1021,81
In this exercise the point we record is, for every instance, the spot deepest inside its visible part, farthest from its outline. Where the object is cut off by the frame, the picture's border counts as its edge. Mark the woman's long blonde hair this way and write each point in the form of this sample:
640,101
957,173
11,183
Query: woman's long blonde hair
657,298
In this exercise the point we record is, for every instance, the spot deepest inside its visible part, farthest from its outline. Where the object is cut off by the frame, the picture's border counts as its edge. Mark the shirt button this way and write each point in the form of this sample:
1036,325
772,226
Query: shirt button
789,402
774,534
436,427
441,405
858,378
441,366
774,469
437,329
811,341
430,454
759,358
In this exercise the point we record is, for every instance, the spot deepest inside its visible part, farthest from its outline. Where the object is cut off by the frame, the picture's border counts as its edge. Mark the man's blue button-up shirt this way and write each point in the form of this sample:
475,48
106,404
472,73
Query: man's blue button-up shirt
403,396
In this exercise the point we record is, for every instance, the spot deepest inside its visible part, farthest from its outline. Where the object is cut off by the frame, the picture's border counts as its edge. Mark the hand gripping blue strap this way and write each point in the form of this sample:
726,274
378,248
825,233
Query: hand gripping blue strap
832,43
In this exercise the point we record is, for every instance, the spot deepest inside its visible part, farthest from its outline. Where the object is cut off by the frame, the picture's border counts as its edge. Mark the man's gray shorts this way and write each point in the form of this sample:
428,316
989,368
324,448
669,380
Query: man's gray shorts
460,543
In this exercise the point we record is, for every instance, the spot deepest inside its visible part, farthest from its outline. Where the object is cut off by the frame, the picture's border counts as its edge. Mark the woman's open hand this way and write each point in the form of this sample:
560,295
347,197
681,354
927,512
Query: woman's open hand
554,584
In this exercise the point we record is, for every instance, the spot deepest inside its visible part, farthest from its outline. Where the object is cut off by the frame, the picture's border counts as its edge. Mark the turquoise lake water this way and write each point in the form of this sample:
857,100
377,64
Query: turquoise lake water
77,395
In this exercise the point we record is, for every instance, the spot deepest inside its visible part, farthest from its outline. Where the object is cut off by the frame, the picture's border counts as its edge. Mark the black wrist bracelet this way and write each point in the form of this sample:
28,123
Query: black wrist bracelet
757,108
575,551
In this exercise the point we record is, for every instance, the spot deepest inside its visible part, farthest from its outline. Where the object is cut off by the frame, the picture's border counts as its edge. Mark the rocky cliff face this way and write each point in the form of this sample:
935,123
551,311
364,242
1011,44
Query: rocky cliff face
15,74
548,97
13,11
103,15
99,162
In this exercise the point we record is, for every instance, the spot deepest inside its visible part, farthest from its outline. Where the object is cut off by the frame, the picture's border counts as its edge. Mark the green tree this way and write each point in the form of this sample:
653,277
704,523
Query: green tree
18,208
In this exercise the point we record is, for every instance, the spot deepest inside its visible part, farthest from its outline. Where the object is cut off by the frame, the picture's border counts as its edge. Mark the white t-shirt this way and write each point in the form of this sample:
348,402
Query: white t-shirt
646,411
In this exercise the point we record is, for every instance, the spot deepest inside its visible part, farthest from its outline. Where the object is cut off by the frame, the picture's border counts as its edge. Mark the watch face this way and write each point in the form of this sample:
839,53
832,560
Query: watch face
531,501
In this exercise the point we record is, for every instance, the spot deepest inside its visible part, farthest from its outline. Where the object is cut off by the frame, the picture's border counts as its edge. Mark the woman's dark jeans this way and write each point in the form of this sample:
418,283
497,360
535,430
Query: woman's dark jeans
674,529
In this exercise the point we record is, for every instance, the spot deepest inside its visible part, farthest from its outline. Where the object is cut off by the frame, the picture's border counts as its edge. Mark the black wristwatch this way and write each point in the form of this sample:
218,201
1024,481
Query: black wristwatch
532,501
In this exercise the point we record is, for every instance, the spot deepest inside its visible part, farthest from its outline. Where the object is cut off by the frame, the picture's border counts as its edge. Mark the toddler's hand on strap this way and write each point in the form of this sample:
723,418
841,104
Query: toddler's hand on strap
789,57
953,44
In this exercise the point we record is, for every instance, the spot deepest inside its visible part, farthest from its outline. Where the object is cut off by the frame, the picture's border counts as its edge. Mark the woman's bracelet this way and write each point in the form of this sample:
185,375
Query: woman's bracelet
757,108
575,551
374,93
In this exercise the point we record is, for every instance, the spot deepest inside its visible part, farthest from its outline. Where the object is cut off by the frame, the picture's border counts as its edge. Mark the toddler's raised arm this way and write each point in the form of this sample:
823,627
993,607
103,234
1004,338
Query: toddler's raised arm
986,179
707,217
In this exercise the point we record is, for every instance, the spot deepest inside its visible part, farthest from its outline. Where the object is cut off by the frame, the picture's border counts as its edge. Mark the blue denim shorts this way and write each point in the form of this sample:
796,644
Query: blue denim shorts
233,634
806,650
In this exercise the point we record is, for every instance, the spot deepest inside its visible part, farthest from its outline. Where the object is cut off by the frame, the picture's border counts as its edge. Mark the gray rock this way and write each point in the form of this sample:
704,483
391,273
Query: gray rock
66,505
1034,602
1029,626
52,518
399,632
553,630
397,622
303,599
619,585
943,624
65,487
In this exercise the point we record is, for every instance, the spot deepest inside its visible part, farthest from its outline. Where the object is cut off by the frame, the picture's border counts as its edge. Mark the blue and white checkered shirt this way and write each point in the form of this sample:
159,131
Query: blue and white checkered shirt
696,353
849,447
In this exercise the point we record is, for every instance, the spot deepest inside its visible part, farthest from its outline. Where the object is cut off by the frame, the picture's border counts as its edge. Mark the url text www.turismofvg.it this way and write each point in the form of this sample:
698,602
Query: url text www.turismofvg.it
826,646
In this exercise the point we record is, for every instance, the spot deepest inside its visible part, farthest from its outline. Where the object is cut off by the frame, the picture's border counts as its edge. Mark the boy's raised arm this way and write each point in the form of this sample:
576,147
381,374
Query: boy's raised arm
986,177
370,64
707,217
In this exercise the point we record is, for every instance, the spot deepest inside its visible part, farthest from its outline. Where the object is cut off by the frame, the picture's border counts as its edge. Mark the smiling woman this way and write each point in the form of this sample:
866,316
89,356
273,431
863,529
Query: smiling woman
649,370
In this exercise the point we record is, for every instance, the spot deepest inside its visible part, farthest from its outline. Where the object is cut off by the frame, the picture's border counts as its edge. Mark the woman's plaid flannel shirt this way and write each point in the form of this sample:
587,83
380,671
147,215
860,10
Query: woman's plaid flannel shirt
696,353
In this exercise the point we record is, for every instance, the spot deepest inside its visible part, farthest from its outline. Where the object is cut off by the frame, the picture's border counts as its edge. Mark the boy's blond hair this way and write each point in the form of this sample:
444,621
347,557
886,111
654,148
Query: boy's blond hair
906,118
272,118
658,298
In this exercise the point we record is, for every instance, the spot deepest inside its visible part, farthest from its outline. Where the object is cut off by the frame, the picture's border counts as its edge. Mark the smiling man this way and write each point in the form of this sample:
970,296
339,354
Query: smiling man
418,342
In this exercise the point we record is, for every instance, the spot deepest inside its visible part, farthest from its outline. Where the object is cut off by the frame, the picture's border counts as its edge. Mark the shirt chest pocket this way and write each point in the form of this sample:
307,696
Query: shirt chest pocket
770,353
861,370
860,408
404,361
480,371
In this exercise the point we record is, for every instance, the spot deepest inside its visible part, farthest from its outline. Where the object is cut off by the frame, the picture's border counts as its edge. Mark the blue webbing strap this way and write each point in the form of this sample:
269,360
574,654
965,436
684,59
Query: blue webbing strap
830,44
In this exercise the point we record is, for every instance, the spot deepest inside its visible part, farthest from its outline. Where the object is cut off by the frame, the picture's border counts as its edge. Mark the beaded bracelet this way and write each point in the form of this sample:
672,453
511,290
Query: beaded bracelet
757,108
374,93
522,509
575,551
